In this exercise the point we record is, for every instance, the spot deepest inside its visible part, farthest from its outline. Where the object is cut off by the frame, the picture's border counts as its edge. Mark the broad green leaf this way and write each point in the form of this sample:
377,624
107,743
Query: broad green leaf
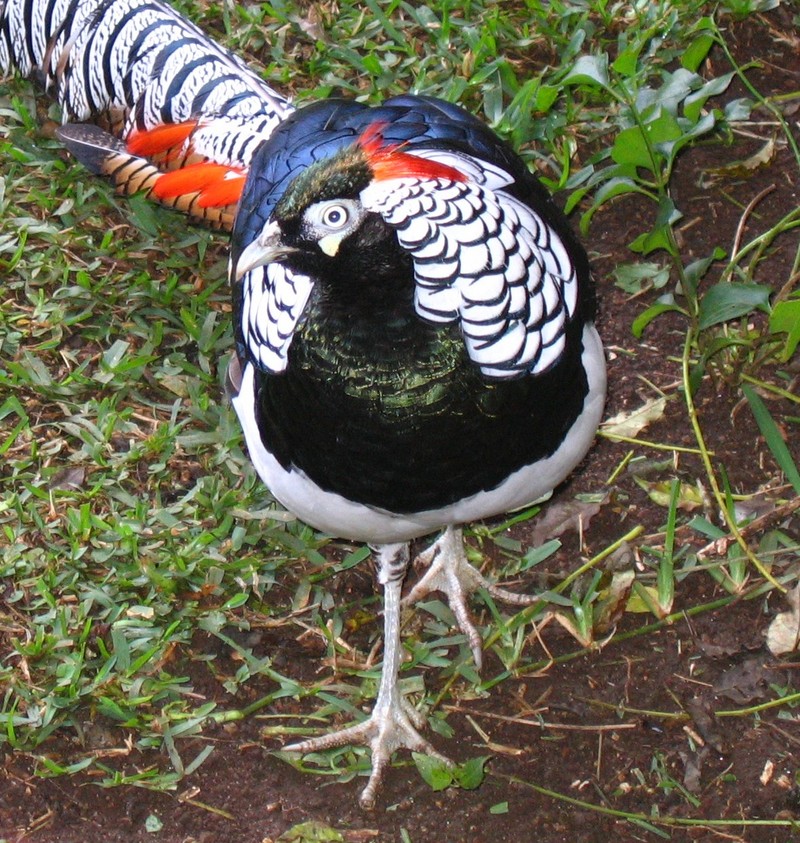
645,318
470,774
546,95
677,86
660,236
625,63
738,110
311,832
236,601
785,319
630,147
697,51
694,272
153,824
634,278
113,355
695,101
617,186
657,238
589,70
437,775
144,215
724,302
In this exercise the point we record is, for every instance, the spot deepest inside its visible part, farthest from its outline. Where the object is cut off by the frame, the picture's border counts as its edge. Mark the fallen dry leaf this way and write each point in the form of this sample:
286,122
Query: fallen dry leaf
68,478
560,517
630,424
783,635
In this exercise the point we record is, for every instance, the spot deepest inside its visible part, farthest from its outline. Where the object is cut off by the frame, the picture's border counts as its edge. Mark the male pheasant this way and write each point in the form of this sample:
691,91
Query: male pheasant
415,346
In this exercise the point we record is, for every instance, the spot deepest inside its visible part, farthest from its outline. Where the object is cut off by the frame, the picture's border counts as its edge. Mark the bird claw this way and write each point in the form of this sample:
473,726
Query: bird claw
450,572
388,728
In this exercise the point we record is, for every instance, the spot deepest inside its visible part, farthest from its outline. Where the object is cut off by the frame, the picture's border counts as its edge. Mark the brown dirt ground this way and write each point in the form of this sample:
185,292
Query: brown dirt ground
584,734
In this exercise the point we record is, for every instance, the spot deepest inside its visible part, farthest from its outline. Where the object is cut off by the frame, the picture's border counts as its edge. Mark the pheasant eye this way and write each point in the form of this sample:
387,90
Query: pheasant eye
335,216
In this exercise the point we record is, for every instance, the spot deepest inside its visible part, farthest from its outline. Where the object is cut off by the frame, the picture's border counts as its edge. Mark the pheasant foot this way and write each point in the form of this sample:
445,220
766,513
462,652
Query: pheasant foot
450,572
394,723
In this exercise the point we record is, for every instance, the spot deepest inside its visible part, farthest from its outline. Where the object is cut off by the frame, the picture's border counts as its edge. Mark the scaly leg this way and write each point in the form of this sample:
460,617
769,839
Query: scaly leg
393,722
451,573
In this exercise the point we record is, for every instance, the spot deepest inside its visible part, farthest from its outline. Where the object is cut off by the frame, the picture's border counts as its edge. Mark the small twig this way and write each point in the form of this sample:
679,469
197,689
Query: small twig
187,799
542,724
719,547
737,239
787,736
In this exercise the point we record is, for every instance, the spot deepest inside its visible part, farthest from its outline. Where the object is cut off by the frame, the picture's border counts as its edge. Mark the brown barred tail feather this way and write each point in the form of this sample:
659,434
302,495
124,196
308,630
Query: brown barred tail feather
104,154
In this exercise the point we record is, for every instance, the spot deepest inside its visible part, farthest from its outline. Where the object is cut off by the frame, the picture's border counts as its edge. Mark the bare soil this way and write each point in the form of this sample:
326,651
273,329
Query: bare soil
586,727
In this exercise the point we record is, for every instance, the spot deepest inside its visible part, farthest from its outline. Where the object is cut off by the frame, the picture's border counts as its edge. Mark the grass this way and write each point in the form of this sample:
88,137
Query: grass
134,530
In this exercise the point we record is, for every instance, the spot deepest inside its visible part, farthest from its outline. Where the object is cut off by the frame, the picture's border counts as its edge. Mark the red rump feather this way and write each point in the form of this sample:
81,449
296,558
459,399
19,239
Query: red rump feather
388,161
160,139
217,184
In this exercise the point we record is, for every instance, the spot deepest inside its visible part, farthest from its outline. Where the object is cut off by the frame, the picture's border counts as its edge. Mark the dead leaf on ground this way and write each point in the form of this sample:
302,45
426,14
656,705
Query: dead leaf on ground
692,769
629,424
715,650
560,517
68,479
742,168
783,635
689,496
612,601
745,682
699,709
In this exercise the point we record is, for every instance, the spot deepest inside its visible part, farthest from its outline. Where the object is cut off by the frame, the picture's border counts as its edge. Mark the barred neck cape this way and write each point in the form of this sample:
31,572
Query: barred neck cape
440,364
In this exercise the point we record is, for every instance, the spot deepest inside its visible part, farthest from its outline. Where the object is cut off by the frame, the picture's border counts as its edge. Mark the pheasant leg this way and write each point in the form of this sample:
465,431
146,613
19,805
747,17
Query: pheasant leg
394,723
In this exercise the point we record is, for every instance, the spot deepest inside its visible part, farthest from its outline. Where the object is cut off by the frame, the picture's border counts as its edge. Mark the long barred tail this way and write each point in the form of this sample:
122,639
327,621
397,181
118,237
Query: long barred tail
134,67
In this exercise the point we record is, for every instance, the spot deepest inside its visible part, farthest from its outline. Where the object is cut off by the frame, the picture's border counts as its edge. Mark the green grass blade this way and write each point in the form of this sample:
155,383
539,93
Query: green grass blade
771,434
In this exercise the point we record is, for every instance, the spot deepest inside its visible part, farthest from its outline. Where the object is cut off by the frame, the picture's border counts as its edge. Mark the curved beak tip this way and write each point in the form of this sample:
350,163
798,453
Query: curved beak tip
266,248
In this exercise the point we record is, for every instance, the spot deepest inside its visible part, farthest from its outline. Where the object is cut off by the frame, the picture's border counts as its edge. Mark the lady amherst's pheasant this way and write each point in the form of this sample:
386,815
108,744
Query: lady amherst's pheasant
415,346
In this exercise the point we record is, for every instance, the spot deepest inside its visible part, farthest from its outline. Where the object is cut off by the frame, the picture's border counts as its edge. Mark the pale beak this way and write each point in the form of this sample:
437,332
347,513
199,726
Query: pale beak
266,248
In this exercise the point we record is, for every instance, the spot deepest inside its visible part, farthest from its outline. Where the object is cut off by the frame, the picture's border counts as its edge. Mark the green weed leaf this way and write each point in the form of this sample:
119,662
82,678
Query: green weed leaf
437,774
660,236
785,319
311,832
470,775
724,302
697,51
589,70
769,430
634,278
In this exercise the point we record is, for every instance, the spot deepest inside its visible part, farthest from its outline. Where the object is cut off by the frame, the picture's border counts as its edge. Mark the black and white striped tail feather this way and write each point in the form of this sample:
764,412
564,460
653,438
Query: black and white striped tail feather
134,65
137,64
